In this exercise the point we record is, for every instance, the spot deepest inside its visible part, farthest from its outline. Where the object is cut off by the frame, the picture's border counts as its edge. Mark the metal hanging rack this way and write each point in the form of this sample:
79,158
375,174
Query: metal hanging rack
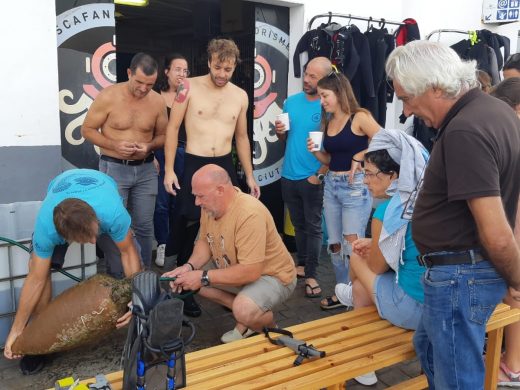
441,30
330,15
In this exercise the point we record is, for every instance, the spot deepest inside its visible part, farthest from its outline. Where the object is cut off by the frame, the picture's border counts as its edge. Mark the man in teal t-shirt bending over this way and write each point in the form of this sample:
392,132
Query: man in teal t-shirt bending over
81,204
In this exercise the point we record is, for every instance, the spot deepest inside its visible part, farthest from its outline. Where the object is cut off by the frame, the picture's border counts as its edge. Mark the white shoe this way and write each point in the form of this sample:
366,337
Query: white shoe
234,335
367,379
159,258
344,294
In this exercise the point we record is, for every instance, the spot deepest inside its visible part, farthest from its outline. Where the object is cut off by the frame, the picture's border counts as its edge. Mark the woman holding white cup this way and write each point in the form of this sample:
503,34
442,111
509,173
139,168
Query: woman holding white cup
347,129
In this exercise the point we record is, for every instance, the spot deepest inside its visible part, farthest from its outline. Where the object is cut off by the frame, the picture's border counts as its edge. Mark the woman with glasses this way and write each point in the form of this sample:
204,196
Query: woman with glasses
175,71
384,269
347,204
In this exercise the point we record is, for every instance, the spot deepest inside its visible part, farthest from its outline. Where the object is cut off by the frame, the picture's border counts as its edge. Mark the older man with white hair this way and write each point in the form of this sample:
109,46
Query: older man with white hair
465,212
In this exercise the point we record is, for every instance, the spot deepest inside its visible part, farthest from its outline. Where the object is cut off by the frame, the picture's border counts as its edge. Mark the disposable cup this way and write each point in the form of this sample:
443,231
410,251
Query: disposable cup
316,137
284,118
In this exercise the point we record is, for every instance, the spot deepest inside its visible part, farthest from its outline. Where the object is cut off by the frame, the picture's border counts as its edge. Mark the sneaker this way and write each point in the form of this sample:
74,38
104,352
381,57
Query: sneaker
32,364
367,379
235,335
344,294
159,258
513,378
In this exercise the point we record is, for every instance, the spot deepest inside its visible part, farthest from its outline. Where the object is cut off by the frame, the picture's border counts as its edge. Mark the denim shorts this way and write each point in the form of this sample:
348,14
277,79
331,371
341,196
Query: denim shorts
394,304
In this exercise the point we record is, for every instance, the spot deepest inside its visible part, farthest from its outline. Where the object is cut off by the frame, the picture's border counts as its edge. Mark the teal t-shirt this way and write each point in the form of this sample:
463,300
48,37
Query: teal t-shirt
410,273
304,116
93,187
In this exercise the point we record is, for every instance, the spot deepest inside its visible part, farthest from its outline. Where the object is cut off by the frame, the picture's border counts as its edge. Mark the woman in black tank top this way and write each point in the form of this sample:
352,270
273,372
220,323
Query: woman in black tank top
347,203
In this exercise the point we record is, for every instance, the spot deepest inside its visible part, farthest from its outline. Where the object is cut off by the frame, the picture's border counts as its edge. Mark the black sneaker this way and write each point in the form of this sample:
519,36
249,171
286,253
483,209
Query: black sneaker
191,307
32,364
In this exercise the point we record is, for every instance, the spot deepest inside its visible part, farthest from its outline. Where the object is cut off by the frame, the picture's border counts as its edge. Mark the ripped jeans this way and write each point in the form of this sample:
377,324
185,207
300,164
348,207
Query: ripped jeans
347,209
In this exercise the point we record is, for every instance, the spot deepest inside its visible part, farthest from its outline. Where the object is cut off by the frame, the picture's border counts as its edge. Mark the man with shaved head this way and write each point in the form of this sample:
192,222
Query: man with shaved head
302,173
252,271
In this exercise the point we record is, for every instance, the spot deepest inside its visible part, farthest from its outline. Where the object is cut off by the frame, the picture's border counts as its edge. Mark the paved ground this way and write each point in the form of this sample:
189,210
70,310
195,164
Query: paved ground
105,356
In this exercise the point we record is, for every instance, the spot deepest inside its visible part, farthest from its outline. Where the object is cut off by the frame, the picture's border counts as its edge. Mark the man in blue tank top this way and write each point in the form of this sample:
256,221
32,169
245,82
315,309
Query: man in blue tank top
302,174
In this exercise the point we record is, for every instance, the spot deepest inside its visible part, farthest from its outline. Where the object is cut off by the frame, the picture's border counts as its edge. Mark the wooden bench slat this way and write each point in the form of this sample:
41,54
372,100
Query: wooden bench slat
501,319
418,383
356,342
340,373
283,370
342,322
234,354
283,358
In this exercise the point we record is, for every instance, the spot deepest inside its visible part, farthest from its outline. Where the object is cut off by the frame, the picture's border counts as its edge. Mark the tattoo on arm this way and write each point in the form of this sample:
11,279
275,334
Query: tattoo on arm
182,92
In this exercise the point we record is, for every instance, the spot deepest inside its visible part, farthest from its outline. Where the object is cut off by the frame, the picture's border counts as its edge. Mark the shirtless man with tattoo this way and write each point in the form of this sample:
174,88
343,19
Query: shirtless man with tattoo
214,111
128,121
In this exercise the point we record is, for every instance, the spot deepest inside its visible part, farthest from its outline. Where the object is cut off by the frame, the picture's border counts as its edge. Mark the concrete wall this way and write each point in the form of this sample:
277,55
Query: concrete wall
29,129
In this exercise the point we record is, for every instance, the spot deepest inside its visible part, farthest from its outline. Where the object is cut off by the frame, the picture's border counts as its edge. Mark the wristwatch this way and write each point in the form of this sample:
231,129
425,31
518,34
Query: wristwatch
320,176
204,278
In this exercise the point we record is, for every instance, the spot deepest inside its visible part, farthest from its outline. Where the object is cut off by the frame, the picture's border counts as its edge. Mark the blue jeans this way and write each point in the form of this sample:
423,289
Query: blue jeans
137,186
458,301
346,207
165,203
304,201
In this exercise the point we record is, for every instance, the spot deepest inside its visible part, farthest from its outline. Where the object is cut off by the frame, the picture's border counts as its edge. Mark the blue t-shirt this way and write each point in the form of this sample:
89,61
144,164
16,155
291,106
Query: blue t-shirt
93,187
410,273
304,116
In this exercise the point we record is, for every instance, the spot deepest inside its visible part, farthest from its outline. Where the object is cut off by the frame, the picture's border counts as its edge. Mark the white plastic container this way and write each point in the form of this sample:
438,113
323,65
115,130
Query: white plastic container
17,223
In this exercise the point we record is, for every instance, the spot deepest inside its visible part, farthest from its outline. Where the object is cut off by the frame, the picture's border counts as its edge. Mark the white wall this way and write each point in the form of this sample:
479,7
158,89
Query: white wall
29,69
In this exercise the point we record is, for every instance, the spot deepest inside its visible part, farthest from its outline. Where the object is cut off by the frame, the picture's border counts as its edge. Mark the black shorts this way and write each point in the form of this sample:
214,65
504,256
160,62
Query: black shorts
192,164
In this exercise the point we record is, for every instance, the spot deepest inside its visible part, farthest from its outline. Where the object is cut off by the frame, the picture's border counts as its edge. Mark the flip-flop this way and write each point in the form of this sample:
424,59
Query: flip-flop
331,303
312,294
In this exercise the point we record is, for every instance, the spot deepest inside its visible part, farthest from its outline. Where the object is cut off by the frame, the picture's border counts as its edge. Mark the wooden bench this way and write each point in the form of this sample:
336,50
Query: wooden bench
356,342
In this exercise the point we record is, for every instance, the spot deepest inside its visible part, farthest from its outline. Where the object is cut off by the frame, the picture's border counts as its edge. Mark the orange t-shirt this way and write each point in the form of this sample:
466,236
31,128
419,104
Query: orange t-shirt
246,234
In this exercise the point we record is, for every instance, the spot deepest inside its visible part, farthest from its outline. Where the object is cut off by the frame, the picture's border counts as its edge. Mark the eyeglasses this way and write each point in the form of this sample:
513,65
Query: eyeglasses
370,175
185,72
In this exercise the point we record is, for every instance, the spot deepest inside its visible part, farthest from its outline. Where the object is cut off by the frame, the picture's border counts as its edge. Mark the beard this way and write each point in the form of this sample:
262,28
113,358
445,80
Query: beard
309,90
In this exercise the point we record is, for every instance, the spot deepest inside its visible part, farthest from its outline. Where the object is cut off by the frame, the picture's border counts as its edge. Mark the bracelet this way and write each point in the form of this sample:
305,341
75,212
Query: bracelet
191,266
358,161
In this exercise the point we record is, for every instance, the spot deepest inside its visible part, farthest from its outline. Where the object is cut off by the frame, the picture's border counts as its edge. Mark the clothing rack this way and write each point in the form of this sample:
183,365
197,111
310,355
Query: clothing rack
330,15
441,30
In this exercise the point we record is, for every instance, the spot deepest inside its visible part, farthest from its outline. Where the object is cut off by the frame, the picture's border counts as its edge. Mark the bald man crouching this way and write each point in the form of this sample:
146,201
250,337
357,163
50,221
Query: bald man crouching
252,271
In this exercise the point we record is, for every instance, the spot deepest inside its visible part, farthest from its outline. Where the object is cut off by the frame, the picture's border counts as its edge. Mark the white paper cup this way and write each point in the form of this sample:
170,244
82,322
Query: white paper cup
284,118
316,137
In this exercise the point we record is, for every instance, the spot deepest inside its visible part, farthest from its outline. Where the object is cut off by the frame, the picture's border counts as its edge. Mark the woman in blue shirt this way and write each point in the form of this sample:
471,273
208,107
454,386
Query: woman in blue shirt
384,268
393,284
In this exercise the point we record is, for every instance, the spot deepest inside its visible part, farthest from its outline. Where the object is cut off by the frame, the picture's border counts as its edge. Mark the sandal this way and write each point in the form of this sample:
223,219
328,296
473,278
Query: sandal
298,274
331,302
312,294
513,377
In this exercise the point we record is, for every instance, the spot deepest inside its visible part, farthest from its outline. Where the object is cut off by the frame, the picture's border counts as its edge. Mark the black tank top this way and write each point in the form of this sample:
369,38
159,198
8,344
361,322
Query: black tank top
343,146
